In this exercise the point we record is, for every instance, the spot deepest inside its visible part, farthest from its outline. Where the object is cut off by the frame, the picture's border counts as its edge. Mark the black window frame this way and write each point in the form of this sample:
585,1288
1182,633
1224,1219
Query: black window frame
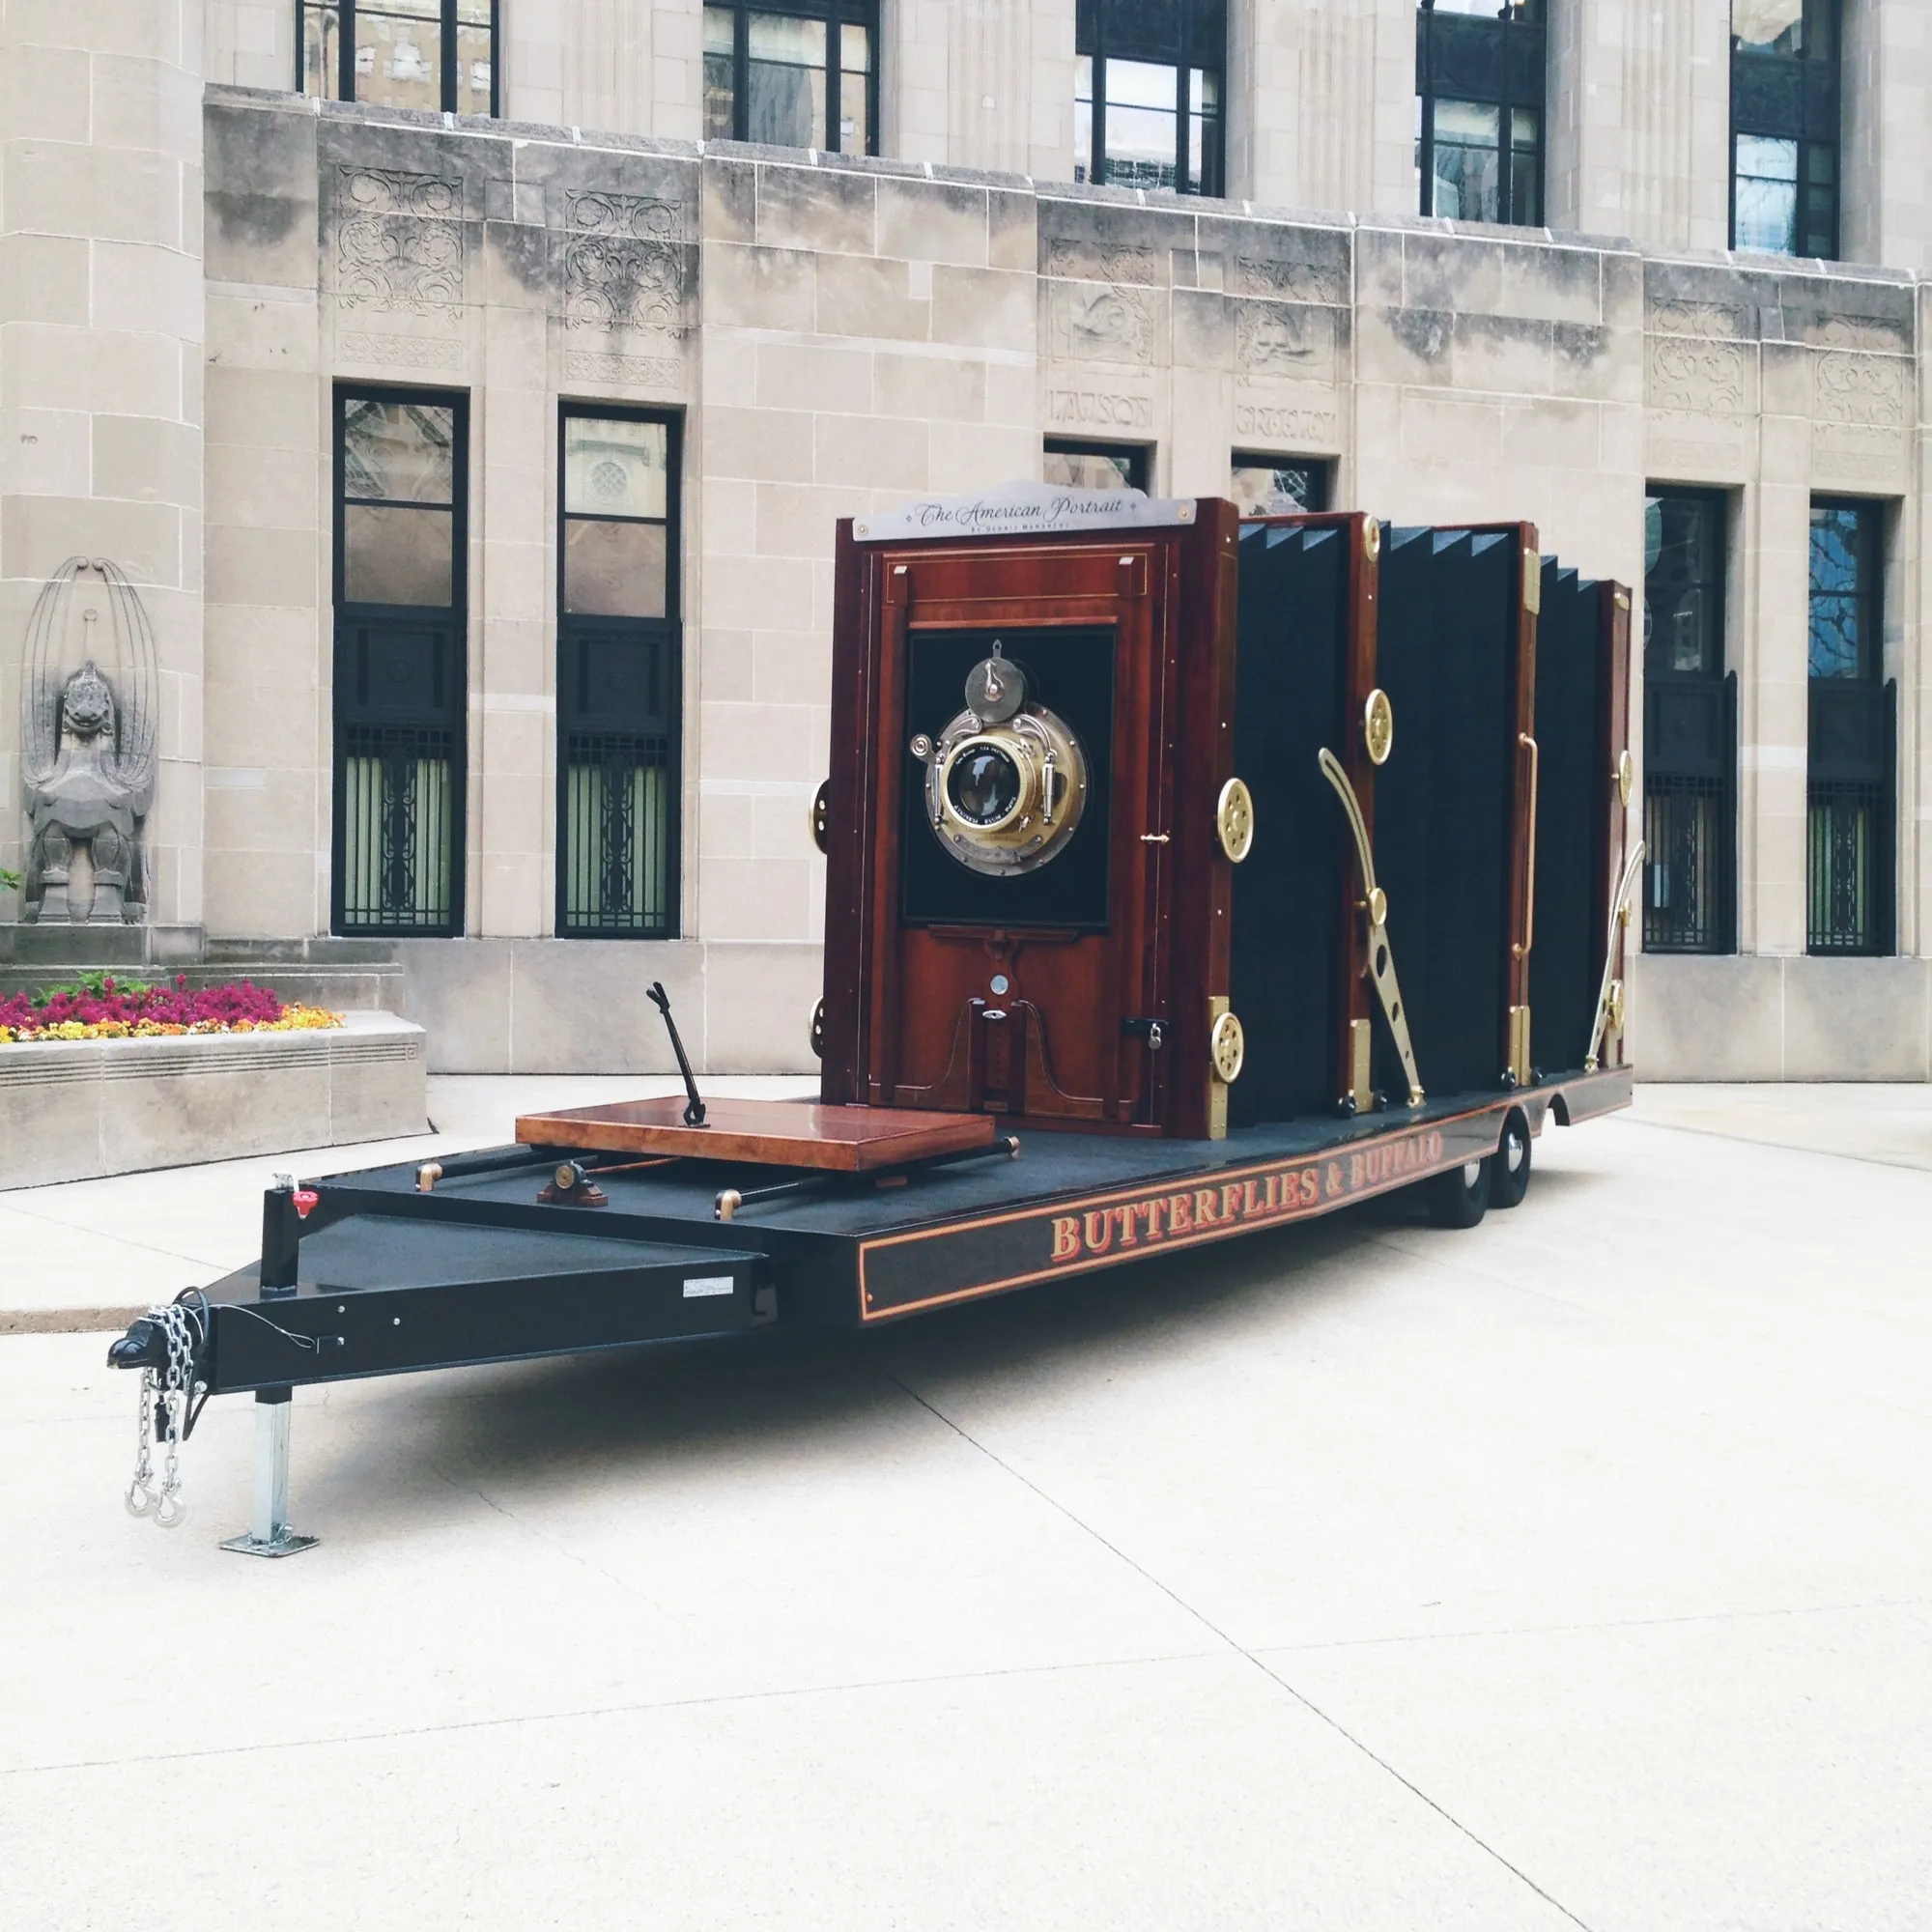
1320,471
1500,63
1691,766
1135,29
357,722
1794,97
346,10
575,630
1139,456
836,14
1851,774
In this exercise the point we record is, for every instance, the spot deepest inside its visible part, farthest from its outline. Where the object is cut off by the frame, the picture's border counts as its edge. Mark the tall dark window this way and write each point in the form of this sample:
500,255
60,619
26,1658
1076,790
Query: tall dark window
1147,92
1689,731
618,658
401,690
1851,773
1784,126
434,54
802,73
1479,110
1094,466
1272,486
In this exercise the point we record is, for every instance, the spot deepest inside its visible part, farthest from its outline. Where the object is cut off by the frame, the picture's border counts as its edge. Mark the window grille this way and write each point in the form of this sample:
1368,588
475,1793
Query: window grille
1094,466
438,55
801,74
1272,486
400,678
1690,734
618,683
1148,83
1479,110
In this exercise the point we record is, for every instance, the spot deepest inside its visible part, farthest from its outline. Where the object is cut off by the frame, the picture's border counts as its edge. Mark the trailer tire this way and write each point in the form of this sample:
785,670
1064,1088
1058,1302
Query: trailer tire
1509,1176
1460,1198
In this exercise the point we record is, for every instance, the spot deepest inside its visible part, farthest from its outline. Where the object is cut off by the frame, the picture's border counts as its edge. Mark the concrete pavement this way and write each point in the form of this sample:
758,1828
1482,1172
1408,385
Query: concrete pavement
1571,1570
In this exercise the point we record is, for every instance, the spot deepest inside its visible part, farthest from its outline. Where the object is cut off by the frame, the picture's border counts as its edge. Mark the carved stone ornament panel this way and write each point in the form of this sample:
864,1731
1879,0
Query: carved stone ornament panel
1102,325
1698,375
624,264
1277,341
1133,264
1860,388
399,242
1323,283
1719,320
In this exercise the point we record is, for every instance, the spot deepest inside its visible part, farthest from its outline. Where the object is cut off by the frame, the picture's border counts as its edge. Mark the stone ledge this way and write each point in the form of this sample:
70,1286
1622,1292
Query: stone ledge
74,1110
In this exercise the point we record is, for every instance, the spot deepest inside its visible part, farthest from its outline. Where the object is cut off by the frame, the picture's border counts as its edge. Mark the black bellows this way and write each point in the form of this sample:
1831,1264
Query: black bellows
1573,804
1284,981
1446,656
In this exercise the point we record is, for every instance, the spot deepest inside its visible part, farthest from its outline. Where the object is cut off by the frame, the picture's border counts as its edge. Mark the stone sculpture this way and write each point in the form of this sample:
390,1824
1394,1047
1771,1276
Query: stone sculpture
87,747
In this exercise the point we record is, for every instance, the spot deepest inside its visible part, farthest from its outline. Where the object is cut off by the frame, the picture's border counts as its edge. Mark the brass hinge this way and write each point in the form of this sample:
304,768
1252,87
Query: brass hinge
1532,582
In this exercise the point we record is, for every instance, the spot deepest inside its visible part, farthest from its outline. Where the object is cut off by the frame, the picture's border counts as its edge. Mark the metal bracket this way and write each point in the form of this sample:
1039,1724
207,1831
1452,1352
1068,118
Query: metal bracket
1375,905
1619,910
268,1532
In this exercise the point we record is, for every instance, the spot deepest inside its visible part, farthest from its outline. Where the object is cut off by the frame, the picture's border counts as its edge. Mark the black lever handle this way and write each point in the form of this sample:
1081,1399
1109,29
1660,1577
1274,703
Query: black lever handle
693,1107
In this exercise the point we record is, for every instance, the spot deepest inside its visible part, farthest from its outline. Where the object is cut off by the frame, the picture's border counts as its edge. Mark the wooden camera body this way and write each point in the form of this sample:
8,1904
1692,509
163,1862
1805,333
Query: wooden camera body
1205,822
1027,902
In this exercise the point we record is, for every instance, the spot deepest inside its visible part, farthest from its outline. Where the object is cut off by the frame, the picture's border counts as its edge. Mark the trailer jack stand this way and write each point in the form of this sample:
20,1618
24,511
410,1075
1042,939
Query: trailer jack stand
268,1532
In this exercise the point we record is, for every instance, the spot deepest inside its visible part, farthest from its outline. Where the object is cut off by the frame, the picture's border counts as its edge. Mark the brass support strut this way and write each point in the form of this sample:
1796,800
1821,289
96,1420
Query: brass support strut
1619,909
1374,906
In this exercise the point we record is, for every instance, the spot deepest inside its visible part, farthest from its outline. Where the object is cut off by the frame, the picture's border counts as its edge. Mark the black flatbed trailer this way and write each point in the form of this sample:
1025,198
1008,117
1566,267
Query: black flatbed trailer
373,1275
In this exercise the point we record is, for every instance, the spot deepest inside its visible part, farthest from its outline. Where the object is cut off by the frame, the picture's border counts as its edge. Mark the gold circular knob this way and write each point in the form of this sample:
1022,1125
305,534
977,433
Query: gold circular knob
1625,777
1226,1045
1235,820
1616,1005
1378,907
1372,538
818,1030
1378,726
821,800
567,1175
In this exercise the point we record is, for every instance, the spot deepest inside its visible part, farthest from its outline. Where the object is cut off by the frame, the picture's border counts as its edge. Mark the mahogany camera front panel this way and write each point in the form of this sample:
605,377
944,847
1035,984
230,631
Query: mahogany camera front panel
1582,876
1027,910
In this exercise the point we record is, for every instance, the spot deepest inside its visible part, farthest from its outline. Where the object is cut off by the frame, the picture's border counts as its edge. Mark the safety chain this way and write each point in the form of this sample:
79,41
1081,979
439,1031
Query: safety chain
164,1406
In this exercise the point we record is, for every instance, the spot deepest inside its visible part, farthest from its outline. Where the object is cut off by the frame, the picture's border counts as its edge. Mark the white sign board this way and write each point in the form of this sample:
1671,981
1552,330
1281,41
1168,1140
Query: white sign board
1025,510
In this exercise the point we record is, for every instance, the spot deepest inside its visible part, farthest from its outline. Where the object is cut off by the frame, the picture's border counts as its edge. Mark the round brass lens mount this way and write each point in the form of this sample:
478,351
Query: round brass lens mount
1005,797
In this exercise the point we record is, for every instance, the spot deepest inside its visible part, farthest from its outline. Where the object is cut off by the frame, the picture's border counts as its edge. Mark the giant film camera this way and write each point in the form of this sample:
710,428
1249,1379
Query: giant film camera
1143,818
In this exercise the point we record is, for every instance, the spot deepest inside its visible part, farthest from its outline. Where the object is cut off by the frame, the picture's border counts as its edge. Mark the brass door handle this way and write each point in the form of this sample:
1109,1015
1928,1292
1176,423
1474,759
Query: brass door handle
1521,952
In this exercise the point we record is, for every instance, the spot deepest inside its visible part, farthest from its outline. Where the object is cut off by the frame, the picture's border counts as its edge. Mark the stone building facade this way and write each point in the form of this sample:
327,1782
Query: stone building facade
201,268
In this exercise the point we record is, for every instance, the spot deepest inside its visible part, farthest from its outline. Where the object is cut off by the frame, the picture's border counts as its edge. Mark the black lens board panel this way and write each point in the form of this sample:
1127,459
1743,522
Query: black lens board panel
1069,669
1571,815
1291,653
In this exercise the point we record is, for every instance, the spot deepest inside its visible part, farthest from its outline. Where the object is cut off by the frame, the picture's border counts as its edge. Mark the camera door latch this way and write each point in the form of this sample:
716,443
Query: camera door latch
1154,1031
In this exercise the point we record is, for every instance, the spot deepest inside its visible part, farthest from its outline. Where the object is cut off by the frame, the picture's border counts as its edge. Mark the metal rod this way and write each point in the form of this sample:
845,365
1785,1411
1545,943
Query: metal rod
731,1199
693,1107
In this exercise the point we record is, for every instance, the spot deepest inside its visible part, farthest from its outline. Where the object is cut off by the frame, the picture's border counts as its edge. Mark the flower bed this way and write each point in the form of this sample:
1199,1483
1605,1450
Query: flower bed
98,1007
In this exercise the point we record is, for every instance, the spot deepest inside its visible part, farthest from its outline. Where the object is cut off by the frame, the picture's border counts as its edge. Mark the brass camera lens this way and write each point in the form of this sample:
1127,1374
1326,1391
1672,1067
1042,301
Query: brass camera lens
984,784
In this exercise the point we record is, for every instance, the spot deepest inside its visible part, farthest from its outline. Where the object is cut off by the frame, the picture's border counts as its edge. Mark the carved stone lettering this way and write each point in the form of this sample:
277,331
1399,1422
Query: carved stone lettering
1313,427
1860,388
1102,325
399,351
1854,453
1325,282
591,365
624,264
1697,374
399,242
1131,263
1274,341
1095,408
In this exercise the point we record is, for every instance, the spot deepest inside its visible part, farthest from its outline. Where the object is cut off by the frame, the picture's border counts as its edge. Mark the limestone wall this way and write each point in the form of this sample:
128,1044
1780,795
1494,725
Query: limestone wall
101,363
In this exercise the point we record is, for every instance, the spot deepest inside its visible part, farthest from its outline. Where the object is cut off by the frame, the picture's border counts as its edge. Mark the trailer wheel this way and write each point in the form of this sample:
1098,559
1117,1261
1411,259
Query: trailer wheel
1509,1168
1459,1198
